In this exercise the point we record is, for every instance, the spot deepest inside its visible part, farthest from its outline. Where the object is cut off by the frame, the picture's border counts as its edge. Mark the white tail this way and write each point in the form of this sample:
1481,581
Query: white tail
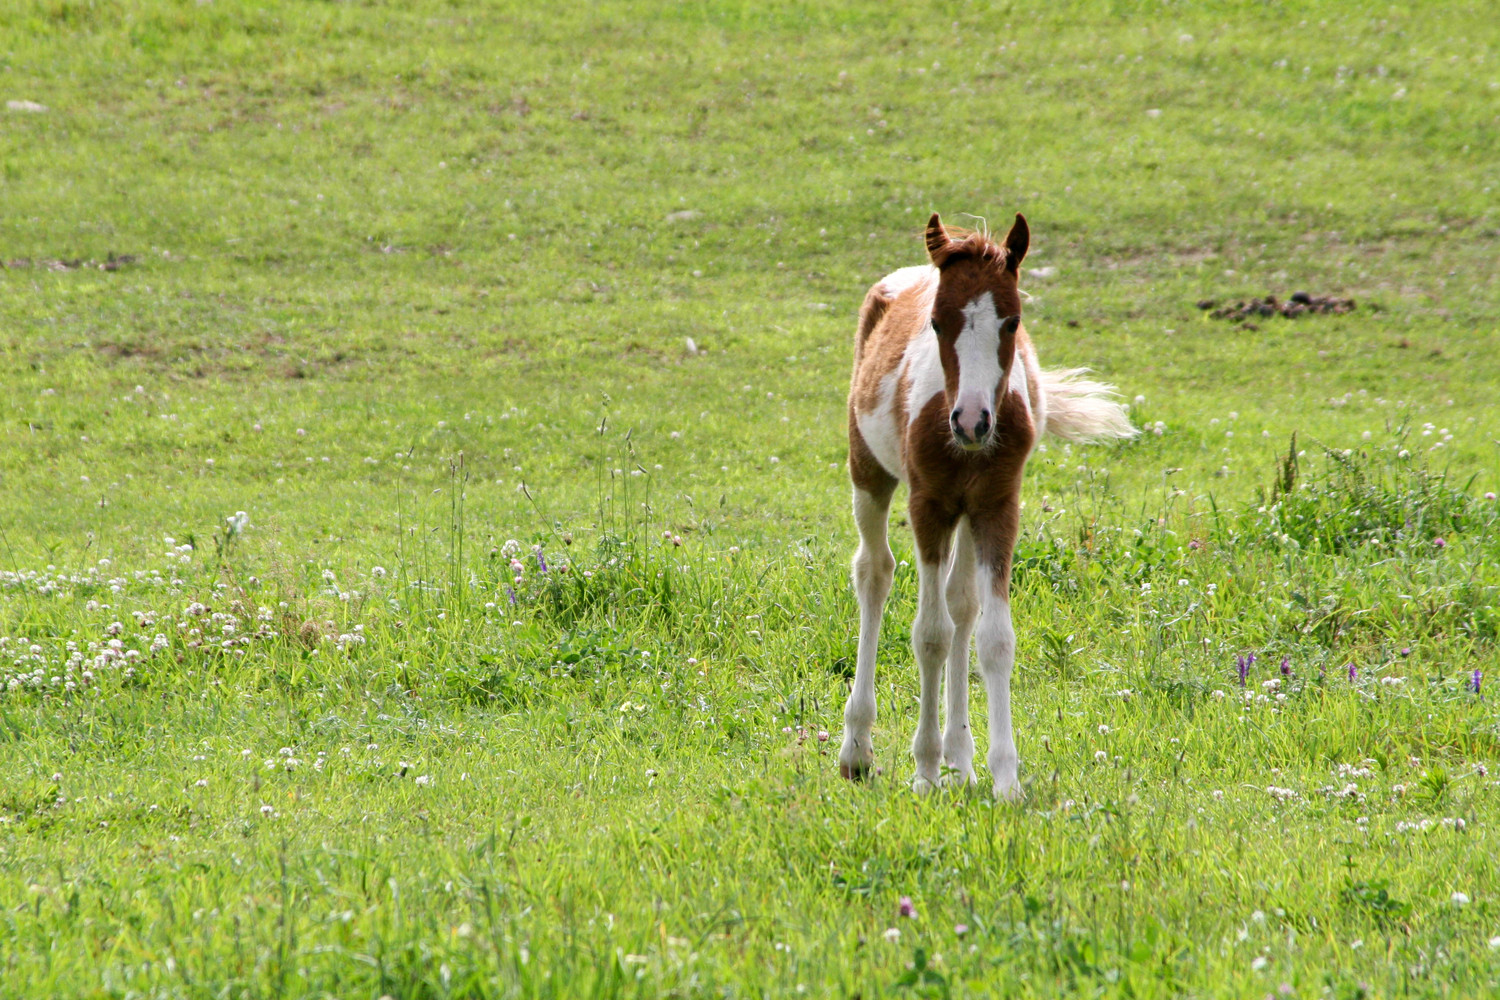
1082,410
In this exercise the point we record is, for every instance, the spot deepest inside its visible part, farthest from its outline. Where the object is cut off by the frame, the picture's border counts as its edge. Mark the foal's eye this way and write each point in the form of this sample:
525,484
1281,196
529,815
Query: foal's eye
936,329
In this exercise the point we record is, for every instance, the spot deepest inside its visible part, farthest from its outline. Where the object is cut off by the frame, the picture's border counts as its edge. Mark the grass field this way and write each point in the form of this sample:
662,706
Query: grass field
514,677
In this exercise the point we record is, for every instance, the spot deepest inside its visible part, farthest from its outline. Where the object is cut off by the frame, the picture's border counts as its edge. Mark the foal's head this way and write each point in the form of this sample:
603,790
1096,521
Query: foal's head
975,314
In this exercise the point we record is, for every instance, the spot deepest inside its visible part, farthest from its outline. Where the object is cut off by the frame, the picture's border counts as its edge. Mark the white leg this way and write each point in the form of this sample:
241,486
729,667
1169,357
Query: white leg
997,656
873,569
931,637
963,608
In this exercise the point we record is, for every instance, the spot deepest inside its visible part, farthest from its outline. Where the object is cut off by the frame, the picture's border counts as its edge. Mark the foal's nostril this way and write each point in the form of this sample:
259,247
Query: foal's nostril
983,427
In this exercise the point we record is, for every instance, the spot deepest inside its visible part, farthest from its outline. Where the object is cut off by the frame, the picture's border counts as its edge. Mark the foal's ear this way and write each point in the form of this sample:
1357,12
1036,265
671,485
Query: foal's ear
1016,242
937,239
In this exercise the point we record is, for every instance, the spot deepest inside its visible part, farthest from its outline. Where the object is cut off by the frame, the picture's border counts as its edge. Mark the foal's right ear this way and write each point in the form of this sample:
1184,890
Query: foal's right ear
937,240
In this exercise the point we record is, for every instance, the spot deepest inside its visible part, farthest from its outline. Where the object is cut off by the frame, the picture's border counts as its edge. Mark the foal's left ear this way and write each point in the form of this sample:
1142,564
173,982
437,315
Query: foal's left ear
1016,242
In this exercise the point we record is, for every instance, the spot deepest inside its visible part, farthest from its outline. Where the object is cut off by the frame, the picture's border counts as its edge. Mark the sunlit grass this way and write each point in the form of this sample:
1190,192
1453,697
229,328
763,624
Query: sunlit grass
514,677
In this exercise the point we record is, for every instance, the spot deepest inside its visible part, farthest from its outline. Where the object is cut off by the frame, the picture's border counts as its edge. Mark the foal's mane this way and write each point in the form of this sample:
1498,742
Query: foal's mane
970,244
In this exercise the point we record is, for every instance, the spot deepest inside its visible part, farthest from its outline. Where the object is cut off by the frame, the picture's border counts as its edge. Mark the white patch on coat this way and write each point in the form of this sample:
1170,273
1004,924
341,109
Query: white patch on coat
879,428
1019,379
924,372
896,282
978,349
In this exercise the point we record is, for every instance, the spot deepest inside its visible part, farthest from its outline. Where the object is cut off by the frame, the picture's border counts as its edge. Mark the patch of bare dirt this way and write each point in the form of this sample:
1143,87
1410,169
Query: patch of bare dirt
113,262
1300,304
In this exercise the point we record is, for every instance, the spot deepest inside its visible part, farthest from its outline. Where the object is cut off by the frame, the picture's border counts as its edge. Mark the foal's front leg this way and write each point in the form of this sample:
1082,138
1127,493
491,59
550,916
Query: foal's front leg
874,567
996,639
997,658
931,638
963,608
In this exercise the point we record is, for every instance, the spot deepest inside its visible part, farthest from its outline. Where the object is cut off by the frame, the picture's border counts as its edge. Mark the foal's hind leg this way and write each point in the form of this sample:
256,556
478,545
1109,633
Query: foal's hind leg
963,608
874,567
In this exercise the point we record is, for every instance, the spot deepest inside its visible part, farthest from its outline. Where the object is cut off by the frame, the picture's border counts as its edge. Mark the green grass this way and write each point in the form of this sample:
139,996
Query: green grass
412,281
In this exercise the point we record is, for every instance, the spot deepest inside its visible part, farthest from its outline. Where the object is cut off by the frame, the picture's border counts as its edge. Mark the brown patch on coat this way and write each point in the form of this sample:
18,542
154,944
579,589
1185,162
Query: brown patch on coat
945,481
893,322
875,304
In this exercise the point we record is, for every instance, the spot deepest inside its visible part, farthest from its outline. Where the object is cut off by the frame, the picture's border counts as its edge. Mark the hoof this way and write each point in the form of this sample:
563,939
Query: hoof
958,779
1009,791
855,772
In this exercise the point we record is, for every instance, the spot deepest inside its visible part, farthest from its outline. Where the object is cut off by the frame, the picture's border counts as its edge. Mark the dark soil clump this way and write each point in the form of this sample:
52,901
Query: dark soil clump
1300,304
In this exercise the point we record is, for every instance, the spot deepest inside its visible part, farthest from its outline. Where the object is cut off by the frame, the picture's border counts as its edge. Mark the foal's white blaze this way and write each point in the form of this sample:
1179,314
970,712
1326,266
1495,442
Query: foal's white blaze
979,370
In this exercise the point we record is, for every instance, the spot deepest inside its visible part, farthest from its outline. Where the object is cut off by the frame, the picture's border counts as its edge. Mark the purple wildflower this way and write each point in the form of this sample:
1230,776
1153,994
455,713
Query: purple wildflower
1353,672
511,594
907,909
1286,666
1438,542
1478,676
1405,650
541,561
1243,666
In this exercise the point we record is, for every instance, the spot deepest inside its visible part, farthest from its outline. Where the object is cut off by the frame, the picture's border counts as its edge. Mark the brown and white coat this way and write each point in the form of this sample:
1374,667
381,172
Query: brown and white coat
947,397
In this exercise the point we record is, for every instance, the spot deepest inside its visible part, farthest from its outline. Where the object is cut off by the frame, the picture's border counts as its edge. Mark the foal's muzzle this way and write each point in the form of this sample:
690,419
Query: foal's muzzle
971,429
